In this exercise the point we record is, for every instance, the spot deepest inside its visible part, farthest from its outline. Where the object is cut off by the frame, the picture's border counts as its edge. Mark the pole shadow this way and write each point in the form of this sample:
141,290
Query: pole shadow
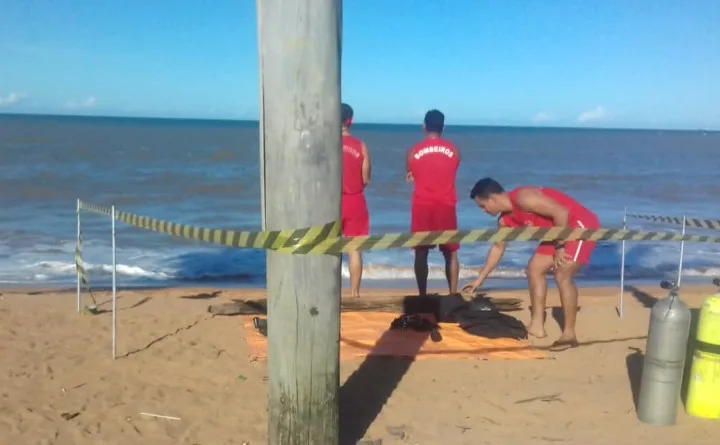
642,297
109,311
368,389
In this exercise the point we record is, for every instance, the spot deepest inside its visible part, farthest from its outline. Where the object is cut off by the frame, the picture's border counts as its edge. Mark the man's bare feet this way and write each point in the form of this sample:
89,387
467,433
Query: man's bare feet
536,329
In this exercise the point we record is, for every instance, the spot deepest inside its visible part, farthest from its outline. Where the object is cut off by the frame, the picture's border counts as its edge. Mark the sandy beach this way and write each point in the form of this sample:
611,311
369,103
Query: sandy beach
61,386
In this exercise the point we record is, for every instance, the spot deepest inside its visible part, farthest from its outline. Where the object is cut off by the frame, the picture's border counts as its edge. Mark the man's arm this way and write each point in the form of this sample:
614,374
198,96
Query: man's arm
494,256
408,173
366,165
533,201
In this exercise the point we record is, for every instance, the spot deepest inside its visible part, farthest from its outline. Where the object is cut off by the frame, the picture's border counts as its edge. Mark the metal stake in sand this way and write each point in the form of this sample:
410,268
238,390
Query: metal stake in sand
300,49
114,286
79,298
622,269
682,252
664,359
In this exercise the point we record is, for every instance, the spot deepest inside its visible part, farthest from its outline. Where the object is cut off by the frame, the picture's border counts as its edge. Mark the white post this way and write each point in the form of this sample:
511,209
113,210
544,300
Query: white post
114,287
682,253
622,268
79,298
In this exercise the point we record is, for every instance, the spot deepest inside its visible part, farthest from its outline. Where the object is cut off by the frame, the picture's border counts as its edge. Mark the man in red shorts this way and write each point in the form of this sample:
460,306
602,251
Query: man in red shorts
356,176
540,207
432,166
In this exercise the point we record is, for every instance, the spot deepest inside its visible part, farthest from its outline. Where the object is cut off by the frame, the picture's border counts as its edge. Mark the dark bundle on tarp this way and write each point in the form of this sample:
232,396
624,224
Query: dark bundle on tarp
478,316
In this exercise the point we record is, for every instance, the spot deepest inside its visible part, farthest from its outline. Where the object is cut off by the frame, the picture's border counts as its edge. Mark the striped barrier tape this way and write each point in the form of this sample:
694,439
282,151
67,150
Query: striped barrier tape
697,223
326,239
271,240
80,266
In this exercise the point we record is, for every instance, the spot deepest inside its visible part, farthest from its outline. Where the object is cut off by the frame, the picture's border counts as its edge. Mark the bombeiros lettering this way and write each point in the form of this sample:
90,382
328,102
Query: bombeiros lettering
352,151
441,149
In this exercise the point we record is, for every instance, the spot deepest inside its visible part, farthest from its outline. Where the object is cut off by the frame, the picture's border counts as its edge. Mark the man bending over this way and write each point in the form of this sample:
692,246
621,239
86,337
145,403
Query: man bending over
540,207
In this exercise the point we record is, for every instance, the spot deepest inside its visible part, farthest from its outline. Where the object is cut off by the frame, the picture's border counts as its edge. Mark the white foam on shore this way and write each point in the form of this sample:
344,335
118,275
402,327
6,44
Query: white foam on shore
51,261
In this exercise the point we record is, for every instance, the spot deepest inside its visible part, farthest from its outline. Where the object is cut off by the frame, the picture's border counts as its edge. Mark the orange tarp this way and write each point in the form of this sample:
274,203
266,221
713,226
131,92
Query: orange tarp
367,333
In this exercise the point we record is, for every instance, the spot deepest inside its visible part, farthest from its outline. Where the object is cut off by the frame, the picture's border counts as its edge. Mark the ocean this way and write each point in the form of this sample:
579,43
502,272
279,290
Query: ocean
206,173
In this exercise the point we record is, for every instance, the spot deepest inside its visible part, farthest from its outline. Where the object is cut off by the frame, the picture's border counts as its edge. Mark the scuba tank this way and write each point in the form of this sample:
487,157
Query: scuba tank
664,361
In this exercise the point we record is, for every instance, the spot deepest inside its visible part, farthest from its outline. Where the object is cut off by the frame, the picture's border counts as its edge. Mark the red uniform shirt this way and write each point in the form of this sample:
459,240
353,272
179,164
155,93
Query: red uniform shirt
433,164
353,158
580,216
355,216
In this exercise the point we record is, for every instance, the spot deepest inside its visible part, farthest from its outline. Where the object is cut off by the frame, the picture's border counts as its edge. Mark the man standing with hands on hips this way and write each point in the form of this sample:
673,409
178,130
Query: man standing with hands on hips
432,166
356,176
540,207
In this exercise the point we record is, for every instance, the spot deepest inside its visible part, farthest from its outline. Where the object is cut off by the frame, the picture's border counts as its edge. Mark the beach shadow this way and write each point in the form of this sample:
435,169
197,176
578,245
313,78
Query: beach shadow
634,365
203,296
433,303
63,290
559,315
366,391
642,297
599,342
689,353
99,311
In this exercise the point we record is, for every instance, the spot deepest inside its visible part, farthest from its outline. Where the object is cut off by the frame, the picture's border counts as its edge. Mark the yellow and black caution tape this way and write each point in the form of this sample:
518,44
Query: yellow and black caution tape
80,266
326,239
697,223
271,240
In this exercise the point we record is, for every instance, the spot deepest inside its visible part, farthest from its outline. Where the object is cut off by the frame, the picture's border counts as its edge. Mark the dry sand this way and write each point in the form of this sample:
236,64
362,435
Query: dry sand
59,384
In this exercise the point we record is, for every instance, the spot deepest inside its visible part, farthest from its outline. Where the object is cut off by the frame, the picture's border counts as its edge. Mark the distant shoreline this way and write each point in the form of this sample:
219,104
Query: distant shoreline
247,123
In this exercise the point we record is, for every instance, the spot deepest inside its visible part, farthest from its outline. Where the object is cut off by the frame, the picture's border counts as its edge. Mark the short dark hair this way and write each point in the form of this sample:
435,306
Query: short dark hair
434,121
486,187
346,113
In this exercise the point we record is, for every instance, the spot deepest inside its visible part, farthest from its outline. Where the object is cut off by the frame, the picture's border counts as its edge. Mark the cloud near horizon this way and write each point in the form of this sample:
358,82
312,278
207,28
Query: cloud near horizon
597,114
543,116
85,104
11,99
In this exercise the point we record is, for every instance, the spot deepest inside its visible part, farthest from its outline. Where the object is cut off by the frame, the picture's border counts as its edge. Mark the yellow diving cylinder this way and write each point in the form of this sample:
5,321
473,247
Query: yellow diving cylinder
703,396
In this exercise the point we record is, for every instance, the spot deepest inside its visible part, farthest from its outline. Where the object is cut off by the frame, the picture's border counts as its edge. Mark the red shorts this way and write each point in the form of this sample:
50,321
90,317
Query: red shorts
355,216
580,251
434,217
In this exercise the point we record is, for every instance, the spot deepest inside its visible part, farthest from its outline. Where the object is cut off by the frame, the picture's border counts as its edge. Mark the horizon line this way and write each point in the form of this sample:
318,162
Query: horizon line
257,121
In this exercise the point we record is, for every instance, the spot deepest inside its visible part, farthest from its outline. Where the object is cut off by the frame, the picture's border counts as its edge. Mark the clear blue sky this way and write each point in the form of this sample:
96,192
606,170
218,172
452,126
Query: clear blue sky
620,63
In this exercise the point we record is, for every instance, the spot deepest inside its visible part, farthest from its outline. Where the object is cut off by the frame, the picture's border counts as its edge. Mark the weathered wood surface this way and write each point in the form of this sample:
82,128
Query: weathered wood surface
301,144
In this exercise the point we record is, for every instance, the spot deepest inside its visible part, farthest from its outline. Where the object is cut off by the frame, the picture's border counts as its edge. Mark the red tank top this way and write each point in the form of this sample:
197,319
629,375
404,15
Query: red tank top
580,216
353,158
433,164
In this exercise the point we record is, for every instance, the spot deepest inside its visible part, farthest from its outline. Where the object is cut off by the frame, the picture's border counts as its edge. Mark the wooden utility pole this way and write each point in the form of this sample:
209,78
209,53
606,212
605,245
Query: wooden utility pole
301,142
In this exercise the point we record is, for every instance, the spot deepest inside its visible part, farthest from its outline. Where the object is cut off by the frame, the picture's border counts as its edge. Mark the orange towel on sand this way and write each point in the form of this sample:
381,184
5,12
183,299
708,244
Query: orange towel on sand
365,334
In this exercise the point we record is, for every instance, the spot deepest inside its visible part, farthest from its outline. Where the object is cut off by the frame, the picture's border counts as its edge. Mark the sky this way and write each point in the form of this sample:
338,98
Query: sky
595,63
